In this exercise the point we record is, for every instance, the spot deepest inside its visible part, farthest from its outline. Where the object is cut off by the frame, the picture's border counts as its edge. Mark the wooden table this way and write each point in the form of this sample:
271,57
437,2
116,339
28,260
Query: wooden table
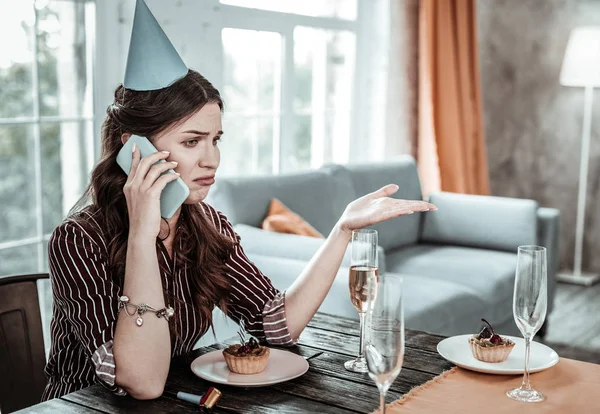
327,387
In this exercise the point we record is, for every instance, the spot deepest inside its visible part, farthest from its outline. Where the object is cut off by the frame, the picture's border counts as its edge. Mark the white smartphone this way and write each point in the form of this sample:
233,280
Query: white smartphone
175,192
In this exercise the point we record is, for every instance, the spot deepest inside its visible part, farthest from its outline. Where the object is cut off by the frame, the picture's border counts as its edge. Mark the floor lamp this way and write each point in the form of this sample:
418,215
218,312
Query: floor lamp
581,68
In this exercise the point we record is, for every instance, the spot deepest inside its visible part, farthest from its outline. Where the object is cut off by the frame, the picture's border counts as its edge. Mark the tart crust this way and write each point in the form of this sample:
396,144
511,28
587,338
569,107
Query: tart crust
246,363
491,352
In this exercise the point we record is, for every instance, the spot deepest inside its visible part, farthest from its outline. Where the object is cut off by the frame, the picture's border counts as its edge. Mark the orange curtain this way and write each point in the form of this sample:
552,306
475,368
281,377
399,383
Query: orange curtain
451,144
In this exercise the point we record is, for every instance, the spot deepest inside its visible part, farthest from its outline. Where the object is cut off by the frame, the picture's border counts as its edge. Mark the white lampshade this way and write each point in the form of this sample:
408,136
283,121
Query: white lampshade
581,65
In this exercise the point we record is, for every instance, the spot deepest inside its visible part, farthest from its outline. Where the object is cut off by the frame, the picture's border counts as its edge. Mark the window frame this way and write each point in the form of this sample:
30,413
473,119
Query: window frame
237,17
36,121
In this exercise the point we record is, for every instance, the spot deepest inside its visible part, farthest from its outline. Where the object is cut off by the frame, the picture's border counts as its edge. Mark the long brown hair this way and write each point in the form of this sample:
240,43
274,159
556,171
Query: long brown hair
197,243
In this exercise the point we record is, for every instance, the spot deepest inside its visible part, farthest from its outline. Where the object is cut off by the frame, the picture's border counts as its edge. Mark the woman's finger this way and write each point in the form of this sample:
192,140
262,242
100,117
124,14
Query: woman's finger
390,189
160,184
418,207
402,210
416,203
426,204
385,191
156,171
146,163
392,213
135,160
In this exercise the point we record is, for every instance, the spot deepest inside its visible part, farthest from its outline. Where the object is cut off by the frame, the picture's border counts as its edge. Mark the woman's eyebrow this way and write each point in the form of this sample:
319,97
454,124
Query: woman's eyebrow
193,131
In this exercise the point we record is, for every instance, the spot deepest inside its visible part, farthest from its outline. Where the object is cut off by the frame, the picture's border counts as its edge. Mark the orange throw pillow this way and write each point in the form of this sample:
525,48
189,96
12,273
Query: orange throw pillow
281,219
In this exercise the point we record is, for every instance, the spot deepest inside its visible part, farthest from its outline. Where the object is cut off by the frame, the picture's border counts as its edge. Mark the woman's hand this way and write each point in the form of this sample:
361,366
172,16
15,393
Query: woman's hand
143,189
376,207
308,291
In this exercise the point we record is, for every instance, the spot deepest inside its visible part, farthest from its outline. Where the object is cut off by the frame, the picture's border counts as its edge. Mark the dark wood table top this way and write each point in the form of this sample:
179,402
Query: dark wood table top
327,387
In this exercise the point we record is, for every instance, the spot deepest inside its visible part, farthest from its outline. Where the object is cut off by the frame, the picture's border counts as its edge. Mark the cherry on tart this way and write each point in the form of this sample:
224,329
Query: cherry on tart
247,357
488,346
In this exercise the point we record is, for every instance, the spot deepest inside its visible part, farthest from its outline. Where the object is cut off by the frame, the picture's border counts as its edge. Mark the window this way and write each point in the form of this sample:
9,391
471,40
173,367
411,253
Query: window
324,68
288,77
252,94
46,142
45,122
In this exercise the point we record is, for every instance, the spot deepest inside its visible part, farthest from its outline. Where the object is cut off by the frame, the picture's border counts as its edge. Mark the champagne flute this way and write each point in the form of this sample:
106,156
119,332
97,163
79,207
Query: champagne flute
363,268
529,309
385,334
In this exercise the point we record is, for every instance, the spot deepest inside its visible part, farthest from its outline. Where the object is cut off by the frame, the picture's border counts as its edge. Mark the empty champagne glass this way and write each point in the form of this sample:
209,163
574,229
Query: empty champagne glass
529,309
363,268
385,334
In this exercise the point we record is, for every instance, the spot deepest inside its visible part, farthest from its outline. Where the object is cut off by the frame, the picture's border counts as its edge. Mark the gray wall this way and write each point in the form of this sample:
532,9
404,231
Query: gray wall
533,124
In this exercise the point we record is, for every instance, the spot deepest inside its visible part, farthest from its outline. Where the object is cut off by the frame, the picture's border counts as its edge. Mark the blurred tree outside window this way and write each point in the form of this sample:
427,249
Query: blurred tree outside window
46,115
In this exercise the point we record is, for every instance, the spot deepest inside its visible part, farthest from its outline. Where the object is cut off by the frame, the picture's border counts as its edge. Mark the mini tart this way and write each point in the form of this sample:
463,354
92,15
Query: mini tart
246,363
486,351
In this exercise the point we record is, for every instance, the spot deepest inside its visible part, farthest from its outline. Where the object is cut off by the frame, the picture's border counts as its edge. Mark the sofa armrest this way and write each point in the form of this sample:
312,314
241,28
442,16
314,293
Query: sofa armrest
497,223
548,235
260,242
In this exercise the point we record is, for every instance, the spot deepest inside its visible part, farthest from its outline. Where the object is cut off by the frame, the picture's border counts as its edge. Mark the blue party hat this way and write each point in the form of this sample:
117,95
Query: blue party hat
152,62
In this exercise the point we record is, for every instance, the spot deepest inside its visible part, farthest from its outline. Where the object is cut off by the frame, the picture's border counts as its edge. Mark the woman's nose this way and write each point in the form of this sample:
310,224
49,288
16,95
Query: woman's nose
209,157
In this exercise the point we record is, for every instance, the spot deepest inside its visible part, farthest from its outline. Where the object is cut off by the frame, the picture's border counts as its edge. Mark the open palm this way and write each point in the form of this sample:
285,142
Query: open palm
378,206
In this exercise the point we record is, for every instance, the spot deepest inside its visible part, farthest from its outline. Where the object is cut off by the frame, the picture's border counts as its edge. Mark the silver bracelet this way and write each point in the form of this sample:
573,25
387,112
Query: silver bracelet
142,308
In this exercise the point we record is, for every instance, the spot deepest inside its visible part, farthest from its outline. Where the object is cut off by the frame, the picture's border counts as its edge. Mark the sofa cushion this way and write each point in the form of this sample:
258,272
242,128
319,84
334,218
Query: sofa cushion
289,246
440,306
367,178
343,188
281,219
488,274
430,305
310,194
487,222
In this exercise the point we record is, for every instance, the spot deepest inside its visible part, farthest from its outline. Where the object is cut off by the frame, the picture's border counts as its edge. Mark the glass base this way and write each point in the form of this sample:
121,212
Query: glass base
526,395
357,365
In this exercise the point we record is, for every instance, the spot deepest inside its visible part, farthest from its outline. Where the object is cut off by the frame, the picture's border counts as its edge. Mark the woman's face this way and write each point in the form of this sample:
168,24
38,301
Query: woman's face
193,144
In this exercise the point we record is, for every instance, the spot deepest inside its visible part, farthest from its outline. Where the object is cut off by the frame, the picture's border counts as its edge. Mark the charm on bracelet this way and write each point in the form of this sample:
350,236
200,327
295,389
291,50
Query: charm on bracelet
142,308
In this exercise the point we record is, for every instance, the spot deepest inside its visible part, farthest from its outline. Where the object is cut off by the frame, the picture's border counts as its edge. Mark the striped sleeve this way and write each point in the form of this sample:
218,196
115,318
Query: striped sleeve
104,364
85,291
253,297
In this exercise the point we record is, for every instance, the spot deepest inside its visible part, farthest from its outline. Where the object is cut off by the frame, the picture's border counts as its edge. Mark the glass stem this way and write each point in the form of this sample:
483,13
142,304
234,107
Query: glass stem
381,402
361,346
526,384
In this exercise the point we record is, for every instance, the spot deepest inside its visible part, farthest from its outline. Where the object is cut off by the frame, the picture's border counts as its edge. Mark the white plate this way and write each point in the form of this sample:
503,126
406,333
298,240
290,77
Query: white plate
281,366
456,350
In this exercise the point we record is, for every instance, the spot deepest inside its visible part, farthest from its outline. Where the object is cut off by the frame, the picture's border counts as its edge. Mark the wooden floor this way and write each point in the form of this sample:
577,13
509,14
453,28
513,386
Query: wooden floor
575,322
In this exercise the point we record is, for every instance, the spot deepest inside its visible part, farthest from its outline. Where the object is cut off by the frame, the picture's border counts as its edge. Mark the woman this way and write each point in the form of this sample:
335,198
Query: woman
119,246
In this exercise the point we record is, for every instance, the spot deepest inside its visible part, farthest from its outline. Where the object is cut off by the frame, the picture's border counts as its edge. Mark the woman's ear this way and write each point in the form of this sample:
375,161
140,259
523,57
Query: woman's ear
125,137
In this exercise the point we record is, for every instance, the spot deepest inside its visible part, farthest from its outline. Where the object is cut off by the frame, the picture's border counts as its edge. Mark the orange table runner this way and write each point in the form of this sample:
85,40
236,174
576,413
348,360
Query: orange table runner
570,387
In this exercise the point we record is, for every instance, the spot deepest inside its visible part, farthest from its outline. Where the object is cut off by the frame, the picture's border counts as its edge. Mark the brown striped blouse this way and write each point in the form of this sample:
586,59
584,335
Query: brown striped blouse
85,304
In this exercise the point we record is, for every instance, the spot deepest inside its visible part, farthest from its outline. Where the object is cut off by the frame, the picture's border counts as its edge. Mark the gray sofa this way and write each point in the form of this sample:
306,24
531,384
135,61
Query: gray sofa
458,263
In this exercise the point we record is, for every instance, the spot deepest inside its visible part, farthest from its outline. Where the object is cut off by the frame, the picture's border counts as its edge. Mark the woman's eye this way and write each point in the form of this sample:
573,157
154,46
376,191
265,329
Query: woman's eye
216,140
191,143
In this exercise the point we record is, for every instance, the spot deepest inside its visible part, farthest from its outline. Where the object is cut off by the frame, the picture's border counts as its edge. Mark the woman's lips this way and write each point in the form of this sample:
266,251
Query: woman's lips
205,180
